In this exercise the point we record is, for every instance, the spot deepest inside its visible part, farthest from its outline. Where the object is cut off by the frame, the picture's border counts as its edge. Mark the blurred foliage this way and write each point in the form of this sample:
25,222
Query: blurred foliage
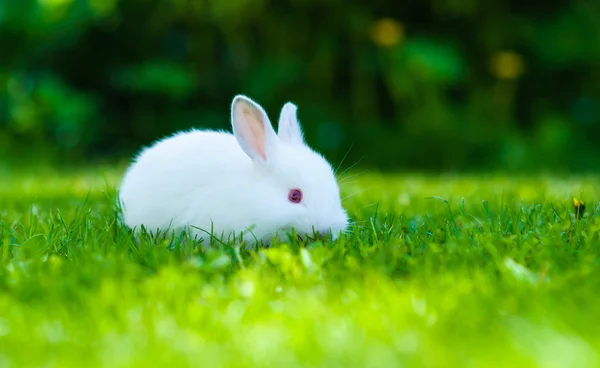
429,85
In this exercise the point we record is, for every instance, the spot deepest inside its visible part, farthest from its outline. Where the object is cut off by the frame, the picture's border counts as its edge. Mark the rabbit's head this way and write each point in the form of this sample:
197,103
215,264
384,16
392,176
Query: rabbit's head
300,191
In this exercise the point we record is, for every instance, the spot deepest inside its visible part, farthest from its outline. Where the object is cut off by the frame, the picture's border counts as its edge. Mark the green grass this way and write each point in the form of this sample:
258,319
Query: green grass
503,274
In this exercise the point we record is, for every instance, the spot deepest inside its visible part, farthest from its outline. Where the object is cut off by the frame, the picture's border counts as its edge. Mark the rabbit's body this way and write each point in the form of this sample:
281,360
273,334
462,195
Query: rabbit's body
183,182
211,183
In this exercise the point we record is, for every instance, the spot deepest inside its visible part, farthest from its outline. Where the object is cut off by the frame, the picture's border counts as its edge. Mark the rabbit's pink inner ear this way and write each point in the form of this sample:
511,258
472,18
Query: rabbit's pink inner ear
257,129
251,129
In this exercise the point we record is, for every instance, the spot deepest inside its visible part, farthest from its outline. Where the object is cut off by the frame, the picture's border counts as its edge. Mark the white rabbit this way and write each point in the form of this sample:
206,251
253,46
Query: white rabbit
253,184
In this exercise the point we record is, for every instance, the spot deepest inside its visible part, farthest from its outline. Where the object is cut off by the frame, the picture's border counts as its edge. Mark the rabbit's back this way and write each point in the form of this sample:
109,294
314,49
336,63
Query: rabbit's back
171,181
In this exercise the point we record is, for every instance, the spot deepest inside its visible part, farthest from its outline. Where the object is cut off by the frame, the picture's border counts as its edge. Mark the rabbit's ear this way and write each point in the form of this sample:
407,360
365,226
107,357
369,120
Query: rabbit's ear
289,127
252,128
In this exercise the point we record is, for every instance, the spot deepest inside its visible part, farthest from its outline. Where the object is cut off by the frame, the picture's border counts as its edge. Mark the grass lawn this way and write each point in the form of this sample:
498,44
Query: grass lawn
502,274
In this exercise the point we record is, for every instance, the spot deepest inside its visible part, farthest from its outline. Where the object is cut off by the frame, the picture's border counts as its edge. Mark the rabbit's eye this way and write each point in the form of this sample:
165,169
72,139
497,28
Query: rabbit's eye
295,196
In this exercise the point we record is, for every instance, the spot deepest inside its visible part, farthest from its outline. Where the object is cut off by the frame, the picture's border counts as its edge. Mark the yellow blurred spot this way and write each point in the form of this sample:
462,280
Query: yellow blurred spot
507,65
387,32
579,207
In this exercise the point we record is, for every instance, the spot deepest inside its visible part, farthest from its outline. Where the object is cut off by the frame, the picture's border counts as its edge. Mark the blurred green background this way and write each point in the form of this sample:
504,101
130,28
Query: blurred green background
420,85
